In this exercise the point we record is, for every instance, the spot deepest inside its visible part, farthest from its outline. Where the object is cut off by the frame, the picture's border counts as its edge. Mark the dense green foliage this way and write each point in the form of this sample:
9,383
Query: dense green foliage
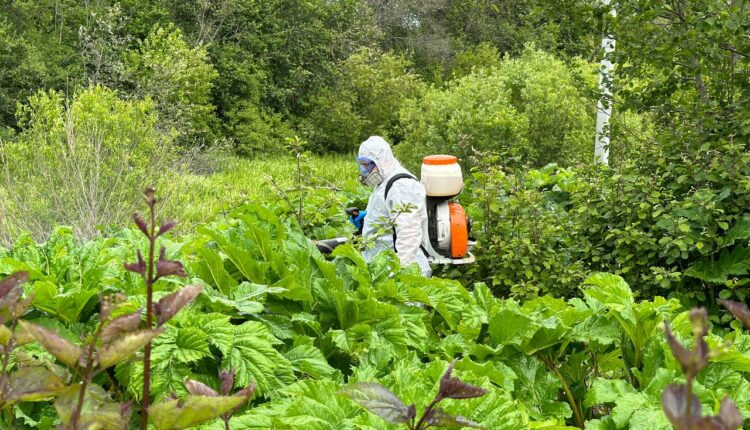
681,232
256,72
559,320
528,109
300,327
369,90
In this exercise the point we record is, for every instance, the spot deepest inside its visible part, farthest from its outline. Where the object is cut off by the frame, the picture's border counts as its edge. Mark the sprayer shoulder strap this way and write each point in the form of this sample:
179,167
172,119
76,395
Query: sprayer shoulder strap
395,178
388,186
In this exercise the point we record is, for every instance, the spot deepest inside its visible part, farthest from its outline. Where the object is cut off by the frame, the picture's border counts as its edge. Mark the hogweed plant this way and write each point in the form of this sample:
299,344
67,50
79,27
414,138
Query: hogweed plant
680,405
382,402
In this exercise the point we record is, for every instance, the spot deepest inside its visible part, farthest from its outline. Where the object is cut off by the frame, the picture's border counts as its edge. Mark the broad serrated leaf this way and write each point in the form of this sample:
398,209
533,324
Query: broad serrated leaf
717,270
608,289
218,328
314,406
740,231
380,401
605,391
32,384
253,355
309,360
191,344
191,411
62,349
125,347
511,327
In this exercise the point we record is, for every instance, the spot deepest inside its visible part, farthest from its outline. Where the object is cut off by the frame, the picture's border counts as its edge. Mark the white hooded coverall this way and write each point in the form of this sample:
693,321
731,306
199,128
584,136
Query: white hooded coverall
409,226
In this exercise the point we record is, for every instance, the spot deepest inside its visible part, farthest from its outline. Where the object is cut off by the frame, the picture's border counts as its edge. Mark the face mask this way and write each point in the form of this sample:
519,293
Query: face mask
373,179
368,172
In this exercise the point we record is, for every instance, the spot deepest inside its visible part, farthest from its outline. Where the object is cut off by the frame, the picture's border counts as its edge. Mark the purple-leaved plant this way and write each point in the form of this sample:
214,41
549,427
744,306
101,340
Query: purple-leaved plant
384,403
680,405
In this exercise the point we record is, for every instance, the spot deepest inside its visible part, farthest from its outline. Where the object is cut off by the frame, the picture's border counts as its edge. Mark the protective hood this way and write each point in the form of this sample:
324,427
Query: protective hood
378,150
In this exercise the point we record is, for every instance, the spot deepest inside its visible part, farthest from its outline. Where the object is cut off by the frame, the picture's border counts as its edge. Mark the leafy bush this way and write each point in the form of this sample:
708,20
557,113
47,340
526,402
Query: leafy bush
482,56
77,165
524,246
369,89
673,223
257,131
179,79
113,338
529,110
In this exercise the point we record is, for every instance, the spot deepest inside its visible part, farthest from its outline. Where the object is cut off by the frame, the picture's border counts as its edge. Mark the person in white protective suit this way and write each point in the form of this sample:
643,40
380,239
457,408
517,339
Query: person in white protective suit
379,170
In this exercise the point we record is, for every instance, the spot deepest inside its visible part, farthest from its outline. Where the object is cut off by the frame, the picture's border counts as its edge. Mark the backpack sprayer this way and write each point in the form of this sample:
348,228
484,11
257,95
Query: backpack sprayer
448,228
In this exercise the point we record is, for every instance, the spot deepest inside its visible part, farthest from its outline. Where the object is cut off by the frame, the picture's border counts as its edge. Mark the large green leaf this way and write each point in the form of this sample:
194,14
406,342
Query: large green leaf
67,305
309,360
740,231
512,327
538,389
211,269
717,271
246,263
191,344
253,355
245,299
314,405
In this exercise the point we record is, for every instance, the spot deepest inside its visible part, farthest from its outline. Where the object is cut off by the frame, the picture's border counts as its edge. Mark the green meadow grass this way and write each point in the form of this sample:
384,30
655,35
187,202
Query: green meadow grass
194,198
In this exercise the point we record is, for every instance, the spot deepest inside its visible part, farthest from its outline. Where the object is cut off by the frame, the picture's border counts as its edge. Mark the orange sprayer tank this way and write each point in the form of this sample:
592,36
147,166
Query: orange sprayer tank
459,231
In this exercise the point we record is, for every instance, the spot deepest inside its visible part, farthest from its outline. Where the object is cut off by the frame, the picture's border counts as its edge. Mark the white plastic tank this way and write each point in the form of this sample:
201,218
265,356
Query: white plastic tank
441,176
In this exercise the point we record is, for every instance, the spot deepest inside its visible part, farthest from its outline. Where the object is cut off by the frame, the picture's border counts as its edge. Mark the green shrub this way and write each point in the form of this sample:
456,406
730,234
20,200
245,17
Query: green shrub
179,79
674,223
528,110
257,130
368,91
482,56
78,164
524,247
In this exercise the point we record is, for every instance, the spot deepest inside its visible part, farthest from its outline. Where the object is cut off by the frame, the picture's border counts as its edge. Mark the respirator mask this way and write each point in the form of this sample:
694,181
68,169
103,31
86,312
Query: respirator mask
369,174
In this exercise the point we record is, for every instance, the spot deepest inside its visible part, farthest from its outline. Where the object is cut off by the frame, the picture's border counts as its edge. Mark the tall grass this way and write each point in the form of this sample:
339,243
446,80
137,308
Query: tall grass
196,197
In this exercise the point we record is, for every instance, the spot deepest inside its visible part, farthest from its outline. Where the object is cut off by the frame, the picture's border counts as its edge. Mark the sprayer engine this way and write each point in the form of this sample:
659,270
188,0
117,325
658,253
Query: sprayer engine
448,227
